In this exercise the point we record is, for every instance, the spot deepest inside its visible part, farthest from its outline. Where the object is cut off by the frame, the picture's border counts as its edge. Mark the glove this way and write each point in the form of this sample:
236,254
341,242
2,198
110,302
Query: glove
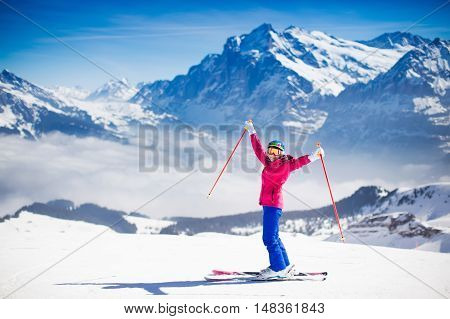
249,127
315,155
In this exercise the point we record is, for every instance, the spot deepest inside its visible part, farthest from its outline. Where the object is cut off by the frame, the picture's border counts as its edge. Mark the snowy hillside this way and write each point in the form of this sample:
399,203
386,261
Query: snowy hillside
140,266
429,203
30,111
115,114
308,222
109,106
116,220
113,90
147,225
264,72
406,107
396,39
414,218
399,230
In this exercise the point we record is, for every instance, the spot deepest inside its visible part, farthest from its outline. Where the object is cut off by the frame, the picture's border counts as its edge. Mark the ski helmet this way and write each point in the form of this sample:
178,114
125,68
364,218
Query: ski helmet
277,144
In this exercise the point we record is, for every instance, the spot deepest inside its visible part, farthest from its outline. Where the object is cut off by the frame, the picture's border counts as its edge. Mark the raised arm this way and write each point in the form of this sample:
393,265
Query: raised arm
296,163
258,149
256,144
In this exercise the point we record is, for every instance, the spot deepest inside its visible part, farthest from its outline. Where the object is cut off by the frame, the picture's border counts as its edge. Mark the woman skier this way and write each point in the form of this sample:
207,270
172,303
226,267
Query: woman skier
277,167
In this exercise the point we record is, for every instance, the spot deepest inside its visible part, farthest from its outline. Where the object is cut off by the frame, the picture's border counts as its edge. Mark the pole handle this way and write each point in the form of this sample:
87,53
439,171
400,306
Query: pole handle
318,145
250,120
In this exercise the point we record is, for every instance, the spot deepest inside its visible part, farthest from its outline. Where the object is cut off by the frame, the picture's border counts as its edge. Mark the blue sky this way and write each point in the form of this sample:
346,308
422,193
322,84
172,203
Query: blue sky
150,40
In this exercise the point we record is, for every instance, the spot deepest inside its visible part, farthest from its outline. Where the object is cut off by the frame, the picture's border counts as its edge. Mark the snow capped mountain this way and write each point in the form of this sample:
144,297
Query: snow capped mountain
113,90
399,230
426,202
402,218
264,72
146,225
396,39
406,107
331,63
30,111
118,221
314,83
429,204
415,218
90,213
118,116
309,222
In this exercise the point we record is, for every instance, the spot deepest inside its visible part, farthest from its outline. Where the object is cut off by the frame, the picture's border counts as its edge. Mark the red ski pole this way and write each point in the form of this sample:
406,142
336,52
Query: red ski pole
331,194
226,164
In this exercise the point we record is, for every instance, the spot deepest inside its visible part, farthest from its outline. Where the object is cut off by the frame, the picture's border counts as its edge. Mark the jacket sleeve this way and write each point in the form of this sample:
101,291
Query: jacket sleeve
258,149
298,162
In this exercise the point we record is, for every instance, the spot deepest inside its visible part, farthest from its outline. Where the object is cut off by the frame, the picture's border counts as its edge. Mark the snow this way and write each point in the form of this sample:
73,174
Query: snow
7,118
441,222
28,98
387,234
119,90
341,62
111,112
148,225
138,265
426,202
428,105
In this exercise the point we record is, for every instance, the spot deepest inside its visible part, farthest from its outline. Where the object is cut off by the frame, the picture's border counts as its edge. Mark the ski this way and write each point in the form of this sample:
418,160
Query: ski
224,275
254,273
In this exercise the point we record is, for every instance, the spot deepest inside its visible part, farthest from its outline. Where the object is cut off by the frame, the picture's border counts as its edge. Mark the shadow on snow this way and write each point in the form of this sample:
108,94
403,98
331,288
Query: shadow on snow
155,288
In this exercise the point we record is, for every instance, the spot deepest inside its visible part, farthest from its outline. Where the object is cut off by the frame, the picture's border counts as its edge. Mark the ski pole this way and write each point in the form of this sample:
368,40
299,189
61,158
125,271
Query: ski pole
331,194
226,164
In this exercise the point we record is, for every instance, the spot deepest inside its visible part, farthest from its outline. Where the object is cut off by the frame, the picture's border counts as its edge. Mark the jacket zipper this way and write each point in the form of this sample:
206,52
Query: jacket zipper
273,190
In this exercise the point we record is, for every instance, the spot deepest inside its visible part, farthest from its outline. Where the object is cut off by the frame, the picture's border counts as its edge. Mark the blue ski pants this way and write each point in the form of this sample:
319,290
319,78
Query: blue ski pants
277,253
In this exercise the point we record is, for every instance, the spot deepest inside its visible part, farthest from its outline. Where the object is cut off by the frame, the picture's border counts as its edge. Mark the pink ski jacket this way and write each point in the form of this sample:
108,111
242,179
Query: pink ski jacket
275,173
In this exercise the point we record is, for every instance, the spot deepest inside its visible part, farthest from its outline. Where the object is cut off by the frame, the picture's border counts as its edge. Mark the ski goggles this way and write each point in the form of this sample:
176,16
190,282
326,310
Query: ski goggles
273,151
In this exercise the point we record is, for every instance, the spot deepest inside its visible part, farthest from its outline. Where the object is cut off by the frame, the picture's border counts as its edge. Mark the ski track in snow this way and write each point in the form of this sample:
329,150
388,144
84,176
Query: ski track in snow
139,265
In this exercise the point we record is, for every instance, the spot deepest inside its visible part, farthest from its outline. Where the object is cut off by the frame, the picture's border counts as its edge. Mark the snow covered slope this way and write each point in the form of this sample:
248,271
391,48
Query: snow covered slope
264,72
115,114
113,90
415,218
30,111
396,39
118,221
146,225
406,107
141,266
399,230
425,207
427,202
